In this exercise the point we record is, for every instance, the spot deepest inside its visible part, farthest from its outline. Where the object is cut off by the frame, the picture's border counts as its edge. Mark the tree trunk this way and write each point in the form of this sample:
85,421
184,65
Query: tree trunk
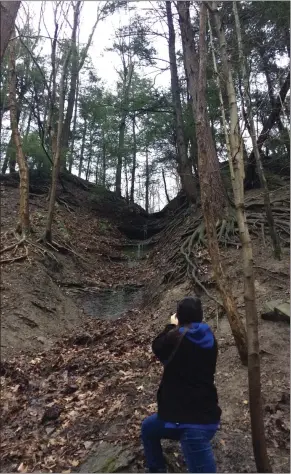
256,411
24,224
124,112
133,161
251,177
8,14
165,185
209,213
281,128
58,151
71,158
147,181
260,169
73,83
126,182
82,149
217,190
103,160
222,109
184,165
90,158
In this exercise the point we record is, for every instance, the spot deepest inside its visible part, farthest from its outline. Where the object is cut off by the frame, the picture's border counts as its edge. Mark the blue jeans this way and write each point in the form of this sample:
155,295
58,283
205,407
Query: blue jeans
195,443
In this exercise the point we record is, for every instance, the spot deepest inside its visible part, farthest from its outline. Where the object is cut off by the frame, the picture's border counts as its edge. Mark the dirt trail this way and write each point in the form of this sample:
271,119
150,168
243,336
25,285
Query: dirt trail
77,403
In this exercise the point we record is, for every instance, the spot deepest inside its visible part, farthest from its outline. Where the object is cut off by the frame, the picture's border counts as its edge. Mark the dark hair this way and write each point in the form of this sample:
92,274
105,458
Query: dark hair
189,310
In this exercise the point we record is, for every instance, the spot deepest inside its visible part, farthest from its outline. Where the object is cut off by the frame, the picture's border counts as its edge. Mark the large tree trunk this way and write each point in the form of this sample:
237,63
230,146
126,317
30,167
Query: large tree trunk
184,164
57,151
8,14
133,170
23,168
124,112
251,176
73,83
208,205
260,169
254,375
82,149
217,190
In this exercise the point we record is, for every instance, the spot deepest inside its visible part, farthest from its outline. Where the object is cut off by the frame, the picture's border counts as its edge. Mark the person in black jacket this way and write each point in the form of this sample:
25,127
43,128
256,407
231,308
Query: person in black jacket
188,408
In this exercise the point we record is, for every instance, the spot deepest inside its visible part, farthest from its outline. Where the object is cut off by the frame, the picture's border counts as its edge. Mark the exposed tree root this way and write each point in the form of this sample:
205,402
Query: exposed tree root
182,257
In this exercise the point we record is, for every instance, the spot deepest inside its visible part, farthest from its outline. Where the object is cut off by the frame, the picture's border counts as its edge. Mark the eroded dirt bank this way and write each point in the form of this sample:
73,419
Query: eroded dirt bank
76,403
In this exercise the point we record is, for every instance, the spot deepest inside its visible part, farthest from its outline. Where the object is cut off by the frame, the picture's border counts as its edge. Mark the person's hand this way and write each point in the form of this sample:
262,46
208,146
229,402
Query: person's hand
174,319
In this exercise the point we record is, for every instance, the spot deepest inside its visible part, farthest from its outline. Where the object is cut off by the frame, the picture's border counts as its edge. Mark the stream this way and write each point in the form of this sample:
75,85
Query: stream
111,303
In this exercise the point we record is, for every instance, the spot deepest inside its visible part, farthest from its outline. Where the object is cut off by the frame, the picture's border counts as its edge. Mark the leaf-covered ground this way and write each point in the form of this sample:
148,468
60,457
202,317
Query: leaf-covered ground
98,383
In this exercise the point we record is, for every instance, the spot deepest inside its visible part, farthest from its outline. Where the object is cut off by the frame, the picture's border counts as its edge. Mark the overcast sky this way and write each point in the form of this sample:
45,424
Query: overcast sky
105,62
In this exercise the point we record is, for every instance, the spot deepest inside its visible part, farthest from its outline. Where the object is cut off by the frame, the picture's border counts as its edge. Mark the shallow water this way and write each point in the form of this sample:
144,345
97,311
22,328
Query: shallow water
110,303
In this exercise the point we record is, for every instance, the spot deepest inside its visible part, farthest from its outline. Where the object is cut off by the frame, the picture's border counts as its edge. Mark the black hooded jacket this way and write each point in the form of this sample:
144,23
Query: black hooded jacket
187,393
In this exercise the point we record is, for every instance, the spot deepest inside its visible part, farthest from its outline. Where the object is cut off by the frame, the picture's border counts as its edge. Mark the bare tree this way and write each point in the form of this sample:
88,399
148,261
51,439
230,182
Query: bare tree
24,225
8,13
254,373
208,206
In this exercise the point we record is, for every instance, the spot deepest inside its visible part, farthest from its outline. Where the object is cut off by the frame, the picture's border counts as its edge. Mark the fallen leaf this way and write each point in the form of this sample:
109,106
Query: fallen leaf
21,468
88,444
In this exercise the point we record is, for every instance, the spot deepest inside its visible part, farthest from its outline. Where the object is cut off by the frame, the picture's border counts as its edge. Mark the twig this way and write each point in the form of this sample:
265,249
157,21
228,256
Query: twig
11,260
10,247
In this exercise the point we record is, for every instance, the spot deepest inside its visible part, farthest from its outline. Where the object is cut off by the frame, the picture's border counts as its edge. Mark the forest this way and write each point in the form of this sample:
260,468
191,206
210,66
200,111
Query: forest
145,156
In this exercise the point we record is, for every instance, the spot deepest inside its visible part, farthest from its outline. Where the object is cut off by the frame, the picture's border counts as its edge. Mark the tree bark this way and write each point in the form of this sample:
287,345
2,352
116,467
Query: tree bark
8,14
254,375
133,170
204,150
24,225
184,164
260,169
217,190
58,151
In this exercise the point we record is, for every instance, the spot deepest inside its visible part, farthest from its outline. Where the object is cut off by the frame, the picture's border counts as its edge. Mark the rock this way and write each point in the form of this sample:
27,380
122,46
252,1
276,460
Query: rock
49,430
51,414
276,310
107,458
283,310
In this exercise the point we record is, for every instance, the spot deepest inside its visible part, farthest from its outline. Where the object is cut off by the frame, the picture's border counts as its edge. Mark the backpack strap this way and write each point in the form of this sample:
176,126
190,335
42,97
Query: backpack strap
181,337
